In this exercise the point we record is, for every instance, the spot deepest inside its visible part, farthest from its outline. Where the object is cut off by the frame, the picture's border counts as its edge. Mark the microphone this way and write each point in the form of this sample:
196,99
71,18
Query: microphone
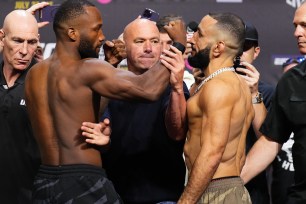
191,28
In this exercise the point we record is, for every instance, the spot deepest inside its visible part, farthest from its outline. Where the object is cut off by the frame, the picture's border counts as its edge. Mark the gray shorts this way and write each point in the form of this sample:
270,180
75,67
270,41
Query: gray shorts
226,191
77,184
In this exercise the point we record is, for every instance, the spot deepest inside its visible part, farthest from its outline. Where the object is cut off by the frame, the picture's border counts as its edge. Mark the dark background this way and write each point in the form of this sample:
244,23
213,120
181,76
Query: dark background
272,18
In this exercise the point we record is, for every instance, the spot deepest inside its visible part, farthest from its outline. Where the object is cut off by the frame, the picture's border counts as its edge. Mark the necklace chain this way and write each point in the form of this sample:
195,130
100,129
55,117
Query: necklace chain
219,71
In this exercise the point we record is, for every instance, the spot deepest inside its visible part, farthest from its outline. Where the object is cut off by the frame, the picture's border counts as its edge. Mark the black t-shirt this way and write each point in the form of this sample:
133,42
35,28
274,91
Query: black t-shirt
19,154
283,173
144,164
287,115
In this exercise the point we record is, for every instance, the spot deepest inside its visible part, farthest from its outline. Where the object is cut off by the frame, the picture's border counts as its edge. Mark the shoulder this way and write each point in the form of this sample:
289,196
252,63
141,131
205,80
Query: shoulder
38,67
94,68
299,71
218,92
94,64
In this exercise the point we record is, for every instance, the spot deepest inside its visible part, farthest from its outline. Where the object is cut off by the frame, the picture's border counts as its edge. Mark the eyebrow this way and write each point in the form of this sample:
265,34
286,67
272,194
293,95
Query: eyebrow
200,30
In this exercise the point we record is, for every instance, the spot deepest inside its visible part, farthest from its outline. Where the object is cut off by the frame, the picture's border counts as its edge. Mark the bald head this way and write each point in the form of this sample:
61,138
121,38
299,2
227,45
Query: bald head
138,27
20,19
20,31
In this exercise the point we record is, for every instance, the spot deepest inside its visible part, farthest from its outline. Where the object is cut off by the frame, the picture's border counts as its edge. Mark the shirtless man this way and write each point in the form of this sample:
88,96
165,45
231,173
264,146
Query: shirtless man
219,114
65,90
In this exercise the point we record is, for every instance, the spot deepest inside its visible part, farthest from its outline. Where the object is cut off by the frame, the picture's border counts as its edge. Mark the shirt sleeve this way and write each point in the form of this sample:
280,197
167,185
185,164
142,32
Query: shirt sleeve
276,125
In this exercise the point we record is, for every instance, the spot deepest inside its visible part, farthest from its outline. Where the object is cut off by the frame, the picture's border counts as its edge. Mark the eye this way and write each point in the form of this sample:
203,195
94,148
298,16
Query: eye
303,24
155,41
138,41
18,41
32,42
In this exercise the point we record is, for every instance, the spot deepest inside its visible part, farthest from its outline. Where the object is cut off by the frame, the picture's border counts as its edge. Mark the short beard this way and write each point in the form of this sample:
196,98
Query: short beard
200,59
86,50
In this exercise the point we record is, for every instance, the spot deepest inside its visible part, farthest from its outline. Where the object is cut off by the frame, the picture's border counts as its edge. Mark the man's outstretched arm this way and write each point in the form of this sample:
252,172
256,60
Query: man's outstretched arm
259,157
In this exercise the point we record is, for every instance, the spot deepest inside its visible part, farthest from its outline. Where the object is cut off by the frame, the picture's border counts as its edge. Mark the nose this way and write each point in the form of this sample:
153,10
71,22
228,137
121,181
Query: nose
299,30
24,49
147,46
101,36
192,39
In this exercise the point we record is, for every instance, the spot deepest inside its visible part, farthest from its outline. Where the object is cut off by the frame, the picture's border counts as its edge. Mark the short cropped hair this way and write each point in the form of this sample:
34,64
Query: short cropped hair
69,10
233,25
165,21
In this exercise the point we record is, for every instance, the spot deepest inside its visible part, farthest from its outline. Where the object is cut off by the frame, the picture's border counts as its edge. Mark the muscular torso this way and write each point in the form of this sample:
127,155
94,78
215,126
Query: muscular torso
201,131
58,103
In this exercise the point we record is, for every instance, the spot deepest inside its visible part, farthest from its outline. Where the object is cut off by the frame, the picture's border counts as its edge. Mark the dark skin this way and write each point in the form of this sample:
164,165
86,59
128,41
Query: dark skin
65,90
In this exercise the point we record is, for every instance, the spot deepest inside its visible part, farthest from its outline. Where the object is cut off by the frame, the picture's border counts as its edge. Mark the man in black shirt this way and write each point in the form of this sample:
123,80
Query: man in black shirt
19,154
287,115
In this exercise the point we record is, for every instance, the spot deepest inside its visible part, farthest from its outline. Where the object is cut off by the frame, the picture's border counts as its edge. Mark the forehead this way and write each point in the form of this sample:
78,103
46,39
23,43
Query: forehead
91,17
22,30
143,29
206,23
164,37
300,14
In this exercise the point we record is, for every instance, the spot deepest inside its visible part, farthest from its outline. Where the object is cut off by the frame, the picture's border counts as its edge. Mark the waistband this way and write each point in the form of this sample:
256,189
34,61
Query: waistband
226,182
70,170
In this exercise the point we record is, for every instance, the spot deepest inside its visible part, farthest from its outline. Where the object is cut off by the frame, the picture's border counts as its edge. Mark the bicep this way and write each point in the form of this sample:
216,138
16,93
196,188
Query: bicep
114,83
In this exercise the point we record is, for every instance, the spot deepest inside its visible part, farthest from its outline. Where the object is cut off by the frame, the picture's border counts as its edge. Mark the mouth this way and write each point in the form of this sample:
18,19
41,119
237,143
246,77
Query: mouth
301,42
146,56
23,62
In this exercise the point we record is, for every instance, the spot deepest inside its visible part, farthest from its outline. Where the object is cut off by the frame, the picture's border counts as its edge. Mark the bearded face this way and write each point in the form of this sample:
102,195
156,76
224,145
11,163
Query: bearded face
86,49
200,59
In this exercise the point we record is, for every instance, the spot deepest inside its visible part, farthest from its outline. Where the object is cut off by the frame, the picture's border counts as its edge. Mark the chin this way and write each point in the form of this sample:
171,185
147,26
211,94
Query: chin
21,67
302,50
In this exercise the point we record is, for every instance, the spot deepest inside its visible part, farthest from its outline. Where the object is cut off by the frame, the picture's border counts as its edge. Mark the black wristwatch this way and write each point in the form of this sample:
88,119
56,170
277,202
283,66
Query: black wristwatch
257,99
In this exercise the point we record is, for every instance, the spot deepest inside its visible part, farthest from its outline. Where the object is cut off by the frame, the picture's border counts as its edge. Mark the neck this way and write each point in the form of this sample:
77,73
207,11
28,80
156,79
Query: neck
216,64
10,75
66,51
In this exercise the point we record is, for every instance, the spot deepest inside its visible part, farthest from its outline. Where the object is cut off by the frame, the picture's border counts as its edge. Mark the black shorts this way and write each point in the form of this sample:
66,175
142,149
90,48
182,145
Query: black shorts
73,184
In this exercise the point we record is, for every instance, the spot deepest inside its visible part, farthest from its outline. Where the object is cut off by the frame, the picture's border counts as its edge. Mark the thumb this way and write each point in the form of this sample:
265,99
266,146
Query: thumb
109,43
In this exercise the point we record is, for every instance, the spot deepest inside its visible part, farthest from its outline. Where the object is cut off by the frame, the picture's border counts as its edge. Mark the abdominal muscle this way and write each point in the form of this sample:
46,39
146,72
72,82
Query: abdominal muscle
229,164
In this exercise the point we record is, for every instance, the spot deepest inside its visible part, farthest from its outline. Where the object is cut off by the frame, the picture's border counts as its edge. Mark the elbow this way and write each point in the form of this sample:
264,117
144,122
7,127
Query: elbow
152,96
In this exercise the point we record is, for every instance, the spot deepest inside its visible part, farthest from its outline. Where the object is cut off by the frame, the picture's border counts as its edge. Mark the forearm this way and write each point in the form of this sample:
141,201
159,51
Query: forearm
201,175
155,80
260,115
175,117
259,157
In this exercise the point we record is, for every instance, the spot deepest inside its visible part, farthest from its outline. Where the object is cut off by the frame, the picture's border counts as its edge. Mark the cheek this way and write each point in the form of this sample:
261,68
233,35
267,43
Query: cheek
158,49
11,51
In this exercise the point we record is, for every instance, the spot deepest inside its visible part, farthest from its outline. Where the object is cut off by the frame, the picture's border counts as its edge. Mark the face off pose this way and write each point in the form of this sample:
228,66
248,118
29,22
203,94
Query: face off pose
219,114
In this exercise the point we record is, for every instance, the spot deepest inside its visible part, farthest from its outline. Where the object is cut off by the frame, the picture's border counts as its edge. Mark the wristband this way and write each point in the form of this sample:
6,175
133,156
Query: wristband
257,99
179,46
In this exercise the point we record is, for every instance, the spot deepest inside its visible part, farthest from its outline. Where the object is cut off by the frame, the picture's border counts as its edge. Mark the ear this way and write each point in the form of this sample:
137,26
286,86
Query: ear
2,35
218,48
72,34
256,52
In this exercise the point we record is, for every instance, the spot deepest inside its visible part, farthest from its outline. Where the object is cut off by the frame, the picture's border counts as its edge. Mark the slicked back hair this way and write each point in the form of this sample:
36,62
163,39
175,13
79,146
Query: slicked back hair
233,25
69,10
